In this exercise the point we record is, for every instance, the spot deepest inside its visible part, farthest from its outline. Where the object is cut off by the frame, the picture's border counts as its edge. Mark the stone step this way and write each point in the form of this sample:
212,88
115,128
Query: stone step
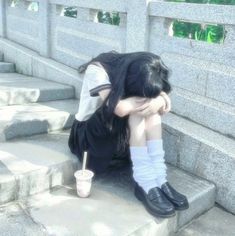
20,89
202,152
61,212
7,67
205,111
206,78
36,118
1,56
215,222
34,164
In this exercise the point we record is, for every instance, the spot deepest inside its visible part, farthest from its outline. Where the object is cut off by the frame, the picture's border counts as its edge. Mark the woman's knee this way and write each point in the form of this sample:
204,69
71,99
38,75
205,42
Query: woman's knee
154,119
135,119
153,127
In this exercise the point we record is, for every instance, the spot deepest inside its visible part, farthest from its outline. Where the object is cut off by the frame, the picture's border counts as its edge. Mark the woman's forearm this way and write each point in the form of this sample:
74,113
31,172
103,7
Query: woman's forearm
120,109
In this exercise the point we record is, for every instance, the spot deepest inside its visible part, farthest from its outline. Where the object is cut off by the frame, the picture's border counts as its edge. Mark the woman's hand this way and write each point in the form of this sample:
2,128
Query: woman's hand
153,106
130,105
165,109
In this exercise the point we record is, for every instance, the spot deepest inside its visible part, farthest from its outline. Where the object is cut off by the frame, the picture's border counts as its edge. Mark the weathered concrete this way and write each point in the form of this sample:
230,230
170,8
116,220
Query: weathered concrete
205,111
35,164
7,67
52,164
112,208
36,118
28,62
202,152
8,184
1,56
14,221
19,89
215,222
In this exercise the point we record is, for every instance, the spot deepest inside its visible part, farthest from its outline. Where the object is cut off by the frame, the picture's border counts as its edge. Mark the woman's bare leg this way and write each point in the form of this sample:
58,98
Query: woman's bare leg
144,128
137,130
143,172
153,126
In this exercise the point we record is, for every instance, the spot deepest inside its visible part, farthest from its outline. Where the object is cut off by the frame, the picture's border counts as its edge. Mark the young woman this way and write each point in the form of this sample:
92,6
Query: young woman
122,100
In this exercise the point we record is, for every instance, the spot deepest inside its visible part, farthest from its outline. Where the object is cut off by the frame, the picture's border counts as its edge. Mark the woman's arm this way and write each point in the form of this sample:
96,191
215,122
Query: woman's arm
104,93
126,106
155,105
161,105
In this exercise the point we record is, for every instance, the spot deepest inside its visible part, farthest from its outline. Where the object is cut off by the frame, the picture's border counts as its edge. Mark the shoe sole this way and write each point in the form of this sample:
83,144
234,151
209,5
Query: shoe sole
176,207
181,208
149,210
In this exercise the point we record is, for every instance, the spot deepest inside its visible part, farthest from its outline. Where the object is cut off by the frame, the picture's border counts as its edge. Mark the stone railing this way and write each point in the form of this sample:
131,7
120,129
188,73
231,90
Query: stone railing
145,26
203,73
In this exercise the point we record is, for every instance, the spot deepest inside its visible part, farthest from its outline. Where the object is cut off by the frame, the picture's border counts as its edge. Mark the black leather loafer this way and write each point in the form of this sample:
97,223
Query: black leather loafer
179,201
155,202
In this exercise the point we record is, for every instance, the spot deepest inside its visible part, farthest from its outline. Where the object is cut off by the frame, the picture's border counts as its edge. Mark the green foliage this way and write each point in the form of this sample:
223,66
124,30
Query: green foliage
208,33
70,11
112,18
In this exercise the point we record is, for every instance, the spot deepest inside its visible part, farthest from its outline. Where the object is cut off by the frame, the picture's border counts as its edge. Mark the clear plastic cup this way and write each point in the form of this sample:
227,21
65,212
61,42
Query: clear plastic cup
83,182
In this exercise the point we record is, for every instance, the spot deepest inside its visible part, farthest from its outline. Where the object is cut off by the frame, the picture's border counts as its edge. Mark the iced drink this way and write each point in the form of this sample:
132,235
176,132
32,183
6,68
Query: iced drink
83,182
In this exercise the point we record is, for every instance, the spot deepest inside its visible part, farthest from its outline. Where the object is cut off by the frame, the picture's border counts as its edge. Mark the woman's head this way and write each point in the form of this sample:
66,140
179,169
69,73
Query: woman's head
147,76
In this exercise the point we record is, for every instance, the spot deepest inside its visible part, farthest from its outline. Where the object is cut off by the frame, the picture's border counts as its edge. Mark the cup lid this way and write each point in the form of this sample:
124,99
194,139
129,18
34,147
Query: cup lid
86,174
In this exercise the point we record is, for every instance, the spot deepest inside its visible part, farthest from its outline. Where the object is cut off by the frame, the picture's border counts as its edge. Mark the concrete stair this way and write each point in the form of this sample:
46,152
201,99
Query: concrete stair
202,152
37,171
34,164
36,118
41,162
215,222
16,89
7,67
30,105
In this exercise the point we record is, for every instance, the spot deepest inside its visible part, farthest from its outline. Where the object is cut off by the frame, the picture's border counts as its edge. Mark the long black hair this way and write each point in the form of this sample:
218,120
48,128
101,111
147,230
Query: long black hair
142,74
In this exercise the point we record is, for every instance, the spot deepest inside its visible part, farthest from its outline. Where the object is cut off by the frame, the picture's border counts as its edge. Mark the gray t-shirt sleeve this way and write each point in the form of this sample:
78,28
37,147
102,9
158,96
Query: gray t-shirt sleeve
97,79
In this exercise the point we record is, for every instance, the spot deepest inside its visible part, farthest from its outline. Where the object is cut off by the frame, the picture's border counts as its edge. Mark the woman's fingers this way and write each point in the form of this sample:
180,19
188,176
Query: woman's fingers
143,113
140,99
168,102
168,105
142,107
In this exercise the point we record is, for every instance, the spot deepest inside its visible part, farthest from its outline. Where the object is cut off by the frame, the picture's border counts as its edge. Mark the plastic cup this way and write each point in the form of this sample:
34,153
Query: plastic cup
83,182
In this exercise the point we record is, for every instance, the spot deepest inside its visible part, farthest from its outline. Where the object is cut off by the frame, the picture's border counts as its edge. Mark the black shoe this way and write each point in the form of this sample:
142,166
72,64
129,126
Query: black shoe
179,201
155,202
